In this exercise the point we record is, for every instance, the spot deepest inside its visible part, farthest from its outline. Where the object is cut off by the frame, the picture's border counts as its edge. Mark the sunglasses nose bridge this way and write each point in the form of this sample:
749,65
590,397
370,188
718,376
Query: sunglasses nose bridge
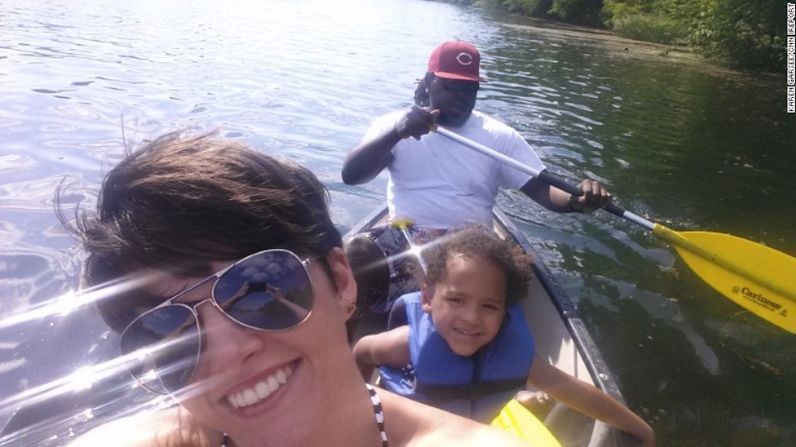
213,303
195,306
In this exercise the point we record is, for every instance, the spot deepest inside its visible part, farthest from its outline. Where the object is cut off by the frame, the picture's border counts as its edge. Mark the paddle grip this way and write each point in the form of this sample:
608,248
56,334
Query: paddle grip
575,190
615,210
559,183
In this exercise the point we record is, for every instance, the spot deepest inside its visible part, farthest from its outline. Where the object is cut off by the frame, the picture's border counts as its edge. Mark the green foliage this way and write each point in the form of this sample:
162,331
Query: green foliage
662,21
582,12
533,8
489,4
652,28
741,33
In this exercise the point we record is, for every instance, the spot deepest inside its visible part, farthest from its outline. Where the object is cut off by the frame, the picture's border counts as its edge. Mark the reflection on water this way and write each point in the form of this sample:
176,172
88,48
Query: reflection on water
686,144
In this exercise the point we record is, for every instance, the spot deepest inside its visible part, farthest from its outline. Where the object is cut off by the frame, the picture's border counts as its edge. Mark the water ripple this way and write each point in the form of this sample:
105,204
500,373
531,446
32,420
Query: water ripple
683,143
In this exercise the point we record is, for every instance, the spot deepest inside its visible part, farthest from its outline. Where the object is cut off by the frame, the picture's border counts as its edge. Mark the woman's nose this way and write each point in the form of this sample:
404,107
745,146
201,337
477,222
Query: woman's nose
227,343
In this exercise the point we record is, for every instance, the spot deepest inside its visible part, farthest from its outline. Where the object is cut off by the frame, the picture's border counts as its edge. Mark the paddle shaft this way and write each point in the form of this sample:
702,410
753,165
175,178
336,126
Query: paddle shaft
544,176
659,230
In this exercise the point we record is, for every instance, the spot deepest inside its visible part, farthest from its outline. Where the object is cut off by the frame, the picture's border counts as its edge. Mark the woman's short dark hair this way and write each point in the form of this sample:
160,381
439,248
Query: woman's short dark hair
476,242
180,202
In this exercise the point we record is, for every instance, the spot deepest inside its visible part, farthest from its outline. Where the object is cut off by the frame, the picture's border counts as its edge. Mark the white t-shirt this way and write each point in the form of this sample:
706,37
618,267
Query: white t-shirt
440,183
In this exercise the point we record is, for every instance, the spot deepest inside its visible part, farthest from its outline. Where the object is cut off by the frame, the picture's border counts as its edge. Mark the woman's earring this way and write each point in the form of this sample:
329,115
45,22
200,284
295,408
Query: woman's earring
350,307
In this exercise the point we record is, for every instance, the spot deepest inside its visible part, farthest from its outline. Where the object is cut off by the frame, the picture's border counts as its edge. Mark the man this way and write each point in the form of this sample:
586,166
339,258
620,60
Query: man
438,183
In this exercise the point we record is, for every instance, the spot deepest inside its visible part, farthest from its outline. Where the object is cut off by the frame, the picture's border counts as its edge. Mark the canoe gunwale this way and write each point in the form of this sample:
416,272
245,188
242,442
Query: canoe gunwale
592,357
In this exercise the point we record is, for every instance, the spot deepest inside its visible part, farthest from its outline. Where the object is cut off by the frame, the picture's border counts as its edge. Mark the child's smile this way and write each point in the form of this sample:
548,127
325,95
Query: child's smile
468,305
466,333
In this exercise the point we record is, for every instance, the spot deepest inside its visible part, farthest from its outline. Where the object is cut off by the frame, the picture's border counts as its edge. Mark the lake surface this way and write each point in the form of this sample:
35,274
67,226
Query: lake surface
679,141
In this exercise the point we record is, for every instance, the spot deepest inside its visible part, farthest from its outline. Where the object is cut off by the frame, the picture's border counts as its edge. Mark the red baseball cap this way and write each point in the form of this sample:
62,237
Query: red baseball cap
455,60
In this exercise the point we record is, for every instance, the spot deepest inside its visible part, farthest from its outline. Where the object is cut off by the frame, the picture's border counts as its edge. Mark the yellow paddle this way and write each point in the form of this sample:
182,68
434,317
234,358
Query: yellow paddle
757,278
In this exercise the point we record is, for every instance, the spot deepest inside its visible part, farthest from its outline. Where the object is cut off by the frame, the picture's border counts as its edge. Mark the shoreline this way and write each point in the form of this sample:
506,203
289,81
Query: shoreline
617,45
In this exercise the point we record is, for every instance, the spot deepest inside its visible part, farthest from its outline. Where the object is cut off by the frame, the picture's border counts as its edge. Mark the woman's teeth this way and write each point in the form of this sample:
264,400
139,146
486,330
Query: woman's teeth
261,390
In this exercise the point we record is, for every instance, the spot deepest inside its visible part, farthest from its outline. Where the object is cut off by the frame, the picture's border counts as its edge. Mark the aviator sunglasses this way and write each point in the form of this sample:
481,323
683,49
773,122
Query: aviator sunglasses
268,291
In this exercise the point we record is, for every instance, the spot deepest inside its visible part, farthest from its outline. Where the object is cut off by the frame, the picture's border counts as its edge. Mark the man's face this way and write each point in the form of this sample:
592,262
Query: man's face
454,99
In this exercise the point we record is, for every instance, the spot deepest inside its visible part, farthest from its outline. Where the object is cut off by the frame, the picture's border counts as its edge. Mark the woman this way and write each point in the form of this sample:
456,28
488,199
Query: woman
231,292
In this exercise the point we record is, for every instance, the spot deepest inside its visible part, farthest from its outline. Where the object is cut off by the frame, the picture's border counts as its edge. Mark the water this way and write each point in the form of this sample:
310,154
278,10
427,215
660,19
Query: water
687,144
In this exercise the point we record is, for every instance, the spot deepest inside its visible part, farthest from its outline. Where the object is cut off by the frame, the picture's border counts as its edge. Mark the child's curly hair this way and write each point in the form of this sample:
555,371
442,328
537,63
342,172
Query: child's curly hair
475,241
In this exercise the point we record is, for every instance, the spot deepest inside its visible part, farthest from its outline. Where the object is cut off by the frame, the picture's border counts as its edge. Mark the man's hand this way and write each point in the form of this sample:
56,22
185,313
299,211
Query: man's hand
594,196
416,123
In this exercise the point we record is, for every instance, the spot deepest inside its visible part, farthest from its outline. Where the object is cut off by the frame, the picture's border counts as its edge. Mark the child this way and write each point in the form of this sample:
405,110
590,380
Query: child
467,348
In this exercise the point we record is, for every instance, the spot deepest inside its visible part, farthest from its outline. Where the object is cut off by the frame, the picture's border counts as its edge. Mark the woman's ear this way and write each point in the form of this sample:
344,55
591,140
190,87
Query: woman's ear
426,293
343,281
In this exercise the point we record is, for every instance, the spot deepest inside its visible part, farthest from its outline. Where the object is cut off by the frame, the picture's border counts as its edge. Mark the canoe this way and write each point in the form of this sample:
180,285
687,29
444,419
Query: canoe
561,338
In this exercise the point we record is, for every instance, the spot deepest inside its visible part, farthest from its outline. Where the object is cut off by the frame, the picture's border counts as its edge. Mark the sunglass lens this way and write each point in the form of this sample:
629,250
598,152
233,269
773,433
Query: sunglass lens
166,342
464,87
271,290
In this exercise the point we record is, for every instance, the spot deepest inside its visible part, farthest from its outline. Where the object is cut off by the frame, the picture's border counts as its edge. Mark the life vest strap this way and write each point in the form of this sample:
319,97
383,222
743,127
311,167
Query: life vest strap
470,391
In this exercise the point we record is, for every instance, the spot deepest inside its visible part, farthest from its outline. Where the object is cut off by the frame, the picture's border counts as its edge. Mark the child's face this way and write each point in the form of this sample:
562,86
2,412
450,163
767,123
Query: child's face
468,305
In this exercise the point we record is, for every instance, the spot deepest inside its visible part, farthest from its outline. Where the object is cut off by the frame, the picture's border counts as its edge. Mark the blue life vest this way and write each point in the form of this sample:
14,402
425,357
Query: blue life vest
477,386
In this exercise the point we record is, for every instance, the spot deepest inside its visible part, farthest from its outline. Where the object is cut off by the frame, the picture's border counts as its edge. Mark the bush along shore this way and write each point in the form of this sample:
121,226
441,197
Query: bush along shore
741,34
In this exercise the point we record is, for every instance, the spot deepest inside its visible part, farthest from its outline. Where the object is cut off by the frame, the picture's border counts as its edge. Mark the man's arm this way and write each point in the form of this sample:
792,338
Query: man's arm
365,161
368,159
594,196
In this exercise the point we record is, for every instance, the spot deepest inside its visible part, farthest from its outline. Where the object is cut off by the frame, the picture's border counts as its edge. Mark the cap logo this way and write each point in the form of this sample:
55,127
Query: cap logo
464,59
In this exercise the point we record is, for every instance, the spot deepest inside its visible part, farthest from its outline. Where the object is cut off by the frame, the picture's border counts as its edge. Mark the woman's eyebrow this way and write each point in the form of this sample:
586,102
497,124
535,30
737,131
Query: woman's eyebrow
147,300
151,298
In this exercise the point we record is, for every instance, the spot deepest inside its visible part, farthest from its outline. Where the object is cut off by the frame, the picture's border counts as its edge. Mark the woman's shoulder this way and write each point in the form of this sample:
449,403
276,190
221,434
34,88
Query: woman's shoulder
417,425
471,434
172,427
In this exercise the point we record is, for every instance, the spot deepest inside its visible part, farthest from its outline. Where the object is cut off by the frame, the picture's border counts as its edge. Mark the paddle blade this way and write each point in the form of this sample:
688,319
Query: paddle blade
757,278
516,419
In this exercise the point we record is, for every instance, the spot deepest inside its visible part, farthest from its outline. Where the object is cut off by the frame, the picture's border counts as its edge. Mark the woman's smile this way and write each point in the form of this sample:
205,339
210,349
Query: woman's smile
263,393
261,390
